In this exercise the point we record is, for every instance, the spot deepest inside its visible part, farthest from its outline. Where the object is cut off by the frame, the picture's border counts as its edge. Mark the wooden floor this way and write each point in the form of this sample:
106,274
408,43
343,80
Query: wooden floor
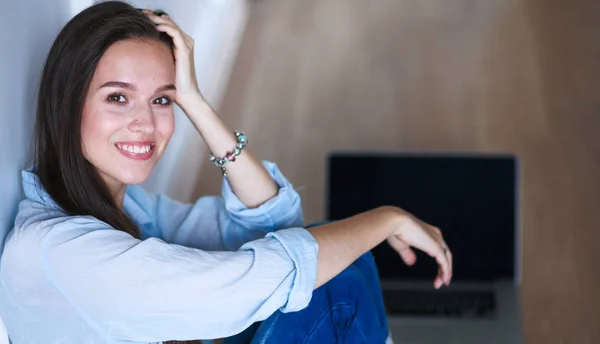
469,75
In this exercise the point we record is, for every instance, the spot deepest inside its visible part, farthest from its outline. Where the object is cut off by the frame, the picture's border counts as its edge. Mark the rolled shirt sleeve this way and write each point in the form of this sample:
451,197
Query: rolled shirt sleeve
152,291
220,223
284,210
305,263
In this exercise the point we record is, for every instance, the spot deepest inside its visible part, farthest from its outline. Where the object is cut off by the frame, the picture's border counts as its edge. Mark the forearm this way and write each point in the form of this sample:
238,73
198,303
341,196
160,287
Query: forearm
248,178
342,242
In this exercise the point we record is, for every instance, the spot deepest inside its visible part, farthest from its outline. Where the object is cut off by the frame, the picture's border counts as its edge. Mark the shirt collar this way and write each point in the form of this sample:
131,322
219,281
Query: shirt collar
136,212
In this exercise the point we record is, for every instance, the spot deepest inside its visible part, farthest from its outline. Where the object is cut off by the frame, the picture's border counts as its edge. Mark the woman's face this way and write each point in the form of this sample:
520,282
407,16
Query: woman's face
127,118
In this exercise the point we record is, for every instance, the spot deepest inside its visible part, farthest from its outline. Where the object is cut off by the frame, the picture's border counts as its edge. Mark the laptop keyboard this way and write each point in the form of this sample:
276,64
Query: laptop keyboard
472,304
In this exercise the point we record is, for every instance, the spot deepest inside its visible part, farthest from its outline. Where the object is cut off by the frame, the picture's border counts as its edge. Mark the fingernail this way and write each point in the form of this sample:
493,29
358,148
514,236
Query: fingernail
155,24
139,9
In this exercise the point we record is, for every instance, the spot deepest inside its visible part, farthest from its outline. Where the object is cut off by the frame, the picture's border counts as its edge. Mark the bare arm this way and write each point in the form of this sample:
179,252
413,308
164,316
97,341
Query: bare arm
342,242
247,176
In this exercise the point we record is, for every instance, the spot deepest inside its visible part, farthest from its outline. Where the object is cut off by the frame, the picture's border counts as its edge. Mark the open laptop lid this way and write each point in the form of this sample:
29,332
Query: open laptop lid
472,198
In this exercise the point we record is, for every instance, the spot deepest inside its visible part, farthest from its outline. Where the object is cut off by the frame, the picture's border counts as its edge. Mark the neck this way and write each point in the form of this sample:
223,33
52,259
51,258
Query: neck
117,191
118,196
116,188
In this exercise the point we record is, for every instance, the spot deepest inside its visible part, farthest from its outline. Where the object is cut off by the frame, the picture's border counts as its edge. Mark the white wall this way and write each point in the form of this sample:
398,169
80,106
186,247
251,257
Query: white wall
26,34
27,30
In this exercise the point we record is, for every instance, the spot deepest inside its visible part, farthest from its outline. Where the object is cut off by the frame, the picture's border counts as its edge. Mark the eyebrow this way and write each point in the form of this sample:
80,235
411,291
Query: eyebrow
132,87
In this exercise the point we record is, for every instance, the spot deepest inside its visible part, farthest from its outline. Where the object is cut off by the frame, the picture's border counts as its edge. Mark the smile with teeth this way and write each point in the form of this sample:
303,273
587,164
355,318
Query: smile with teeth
135,149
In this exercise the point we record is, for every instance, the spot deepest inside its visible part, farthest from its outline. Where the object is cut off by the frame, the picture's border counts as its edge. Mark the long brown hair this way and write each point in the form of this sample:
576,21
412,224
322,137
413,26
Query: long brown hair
72,181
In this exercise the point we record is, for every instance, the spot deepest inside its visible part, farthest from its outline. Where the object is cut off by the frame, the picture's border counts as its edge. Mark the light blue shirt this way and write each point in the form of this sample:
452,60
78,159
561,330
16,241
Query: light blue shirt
200,271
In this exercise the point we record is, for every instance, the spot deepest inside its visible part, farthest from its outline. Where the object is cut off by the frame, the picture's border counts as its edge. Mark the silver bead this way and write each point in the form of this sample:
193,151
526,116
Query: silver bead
237,151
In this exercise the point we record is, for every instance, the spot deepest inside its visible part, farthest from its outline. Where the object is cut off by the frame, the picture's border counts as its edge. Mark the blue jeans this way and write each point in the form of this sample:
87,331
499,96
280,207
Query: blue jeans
347,309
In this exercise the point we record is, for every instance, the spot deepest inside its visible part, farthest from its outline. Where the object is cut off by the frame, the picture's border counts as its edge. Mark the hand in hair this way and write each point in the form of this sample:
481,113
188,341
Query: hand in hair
185,73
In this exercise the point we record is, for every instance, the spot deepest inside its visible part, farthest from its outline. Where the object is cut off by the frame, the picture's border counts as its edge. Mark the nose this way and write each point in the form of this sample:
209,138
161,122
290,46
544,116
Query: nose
142,120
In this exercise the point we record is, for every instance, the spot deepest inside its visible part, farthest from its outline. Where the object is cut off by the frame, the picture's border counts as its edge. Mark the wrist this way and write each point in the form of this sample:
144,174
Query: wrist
399,219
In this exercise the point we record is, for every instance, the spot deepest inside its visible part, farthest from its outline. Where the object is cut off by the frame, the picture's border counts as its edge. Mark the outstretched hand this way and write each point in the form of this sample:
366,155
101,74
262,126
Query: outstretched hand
418,234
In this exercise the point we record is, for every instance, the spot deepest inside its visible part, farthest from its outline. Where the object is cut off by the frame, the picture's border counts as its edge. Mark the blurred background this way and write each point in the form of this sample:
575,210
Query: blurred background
305,77
511,76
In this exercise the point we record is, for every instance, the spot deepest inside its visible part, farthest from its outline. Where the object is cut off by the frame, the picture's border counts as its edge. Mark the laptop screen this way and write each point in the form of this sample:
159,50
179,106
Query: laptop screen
472,199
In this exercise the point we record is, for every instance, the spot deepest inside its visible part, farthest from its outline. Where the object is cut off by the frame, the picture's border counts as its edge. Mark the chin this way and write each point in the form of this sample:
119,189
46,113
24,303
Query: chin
134,176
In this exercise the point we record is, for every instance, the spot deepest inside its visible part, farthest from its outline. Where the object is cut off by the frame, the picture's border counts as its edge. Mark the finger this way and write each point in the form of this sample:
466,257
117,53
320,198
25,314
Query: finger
167,17
425,240
450,262
439,280
175,34
434,248
406,253
152,12
448,255
162,19
408,256
443,263
437,234
450,259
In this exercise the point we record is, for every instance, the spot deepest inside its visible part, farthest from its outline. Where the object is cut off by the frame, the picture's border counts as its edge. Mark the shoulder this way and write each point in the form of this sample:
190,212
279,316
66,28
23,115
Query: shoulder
48,239
36,228
34,216
34,222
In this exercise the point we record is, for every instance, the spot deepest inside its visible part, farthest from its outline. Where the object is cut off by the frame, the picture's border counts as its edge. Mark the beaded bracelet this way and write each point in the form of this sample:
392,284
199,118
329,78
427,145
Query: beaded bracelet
242,141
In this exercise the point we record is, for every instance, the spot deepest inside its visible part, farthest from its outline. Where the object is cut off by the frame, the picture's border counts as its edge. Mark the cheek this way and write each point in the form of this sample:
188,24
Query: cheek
97,127
165,125
87,132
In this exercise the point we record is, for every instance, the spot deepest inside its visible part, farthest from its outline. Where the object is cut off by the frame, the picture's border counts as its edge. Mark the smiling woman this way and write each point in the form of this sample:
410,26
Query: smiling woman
95,258
127,117
82,170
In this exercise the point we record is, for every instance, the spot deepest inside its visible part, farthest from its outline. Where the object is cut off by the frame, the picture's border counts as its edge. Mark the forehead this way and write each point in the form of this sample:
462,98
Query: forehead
136,61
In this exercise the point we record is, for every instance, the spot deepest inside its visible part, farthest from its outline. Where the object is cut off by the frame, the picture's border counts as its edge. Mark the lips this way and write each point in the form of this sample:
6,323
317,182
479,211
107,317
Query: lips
136,150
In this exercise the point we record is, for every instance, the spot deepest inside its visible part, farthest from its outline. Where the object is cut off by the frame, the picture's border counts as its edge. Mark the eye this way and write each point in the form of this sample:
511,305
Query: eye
116,98
163,101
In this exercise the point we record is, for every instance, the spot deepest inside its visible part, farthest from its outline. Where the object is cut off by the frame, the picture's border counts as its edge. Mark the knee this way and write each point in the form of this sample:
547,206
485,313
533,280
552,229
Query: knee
361,274
366,264
352,279
367,258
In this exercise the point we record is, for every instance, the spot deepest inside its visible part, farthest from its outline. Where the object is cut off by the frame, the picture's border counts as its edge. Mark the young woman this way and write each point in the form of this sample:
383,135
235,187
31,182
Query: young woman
93,258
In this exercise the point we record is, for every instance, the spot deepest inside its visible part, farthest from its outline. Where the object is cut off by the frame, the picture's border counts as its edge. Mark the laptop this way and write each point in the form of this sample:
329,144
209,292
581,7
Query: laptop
473,199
